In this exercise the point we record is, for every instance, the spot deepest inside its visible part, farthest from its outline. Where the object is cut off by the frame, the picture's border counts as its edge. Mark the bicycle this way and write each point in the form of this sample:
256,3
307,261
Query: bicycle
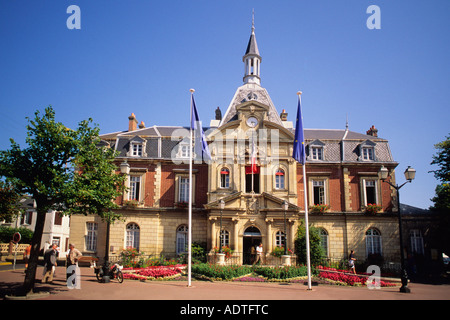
113,271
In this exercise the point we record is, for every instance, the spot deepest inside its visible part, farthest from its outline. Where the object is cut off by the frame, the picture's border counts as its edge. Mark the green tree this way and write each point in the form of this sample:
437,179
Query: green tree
316,250
64,170
442,198
9,202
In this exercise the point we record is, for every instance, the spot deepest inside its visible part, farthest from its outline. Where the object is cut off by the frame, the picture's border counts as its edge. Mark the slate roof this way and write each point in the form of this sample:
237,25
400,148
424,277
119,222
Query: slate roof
338,145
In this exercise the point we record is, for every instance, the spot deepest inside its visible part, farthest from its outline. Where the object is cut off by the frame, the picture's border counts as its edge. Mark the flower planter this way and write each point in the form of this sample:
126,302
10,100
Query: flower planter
220,259
286,260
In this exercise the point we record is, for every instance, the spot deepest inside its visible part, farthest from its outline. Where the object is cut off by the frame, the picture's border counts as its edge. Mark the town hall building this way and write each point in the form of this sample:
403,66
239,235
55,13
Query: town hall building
251,191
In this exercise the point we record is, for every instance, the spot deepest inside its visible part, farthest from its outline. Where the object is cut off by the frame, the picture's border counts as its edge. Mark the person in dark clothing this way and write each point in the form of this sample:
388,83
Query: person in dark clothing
49,262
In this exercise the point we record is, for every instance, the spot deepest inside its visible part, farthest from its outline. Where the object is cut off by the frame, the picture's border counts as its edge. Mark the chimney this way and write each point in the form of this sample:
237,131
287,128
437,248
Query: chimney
132,122
283,115
372,131
142,125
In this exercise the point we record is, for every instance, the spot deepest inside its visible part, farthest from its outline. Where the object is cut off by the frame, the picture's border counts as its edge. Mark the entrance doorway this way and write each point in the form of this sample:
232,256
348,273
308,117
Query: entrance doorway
252,238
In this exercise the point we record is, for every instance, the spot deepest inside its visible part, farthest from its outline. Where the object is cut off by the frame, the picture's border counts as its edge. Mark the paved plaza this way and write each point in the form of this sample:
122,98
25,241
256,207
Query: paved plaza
205,290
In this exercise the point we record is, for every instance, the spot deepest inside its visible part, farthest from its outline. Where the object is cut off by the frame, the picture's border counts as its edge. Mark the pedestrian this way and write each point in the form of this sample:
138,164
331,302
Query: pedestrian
26,256
259,253
351,262
49,263
72,257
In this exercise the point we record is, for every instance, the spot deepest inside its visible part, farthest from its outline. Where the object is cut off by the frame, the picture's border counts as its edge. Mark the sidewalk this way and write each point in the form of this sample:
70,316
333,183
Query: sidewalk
204,290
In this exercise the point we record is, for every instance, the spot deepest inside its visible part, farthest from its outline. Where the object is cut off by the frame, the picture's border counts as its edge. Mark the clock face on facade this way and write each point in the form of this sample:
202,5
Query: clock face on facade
252,122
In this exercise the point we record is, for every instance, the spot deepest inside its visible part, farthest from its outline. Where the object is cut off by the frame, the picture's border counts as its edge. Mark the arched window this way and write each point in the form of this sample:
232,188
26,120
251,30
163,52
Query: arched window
280,239
225,178
133,235
182,239
373,241
324,240
279,179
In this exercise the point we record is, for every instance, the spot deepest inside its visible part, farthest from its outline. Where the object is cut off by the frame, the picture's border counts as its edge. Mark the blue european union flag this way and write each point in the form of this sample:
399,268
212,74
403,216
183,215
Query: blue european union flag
200,145
299,153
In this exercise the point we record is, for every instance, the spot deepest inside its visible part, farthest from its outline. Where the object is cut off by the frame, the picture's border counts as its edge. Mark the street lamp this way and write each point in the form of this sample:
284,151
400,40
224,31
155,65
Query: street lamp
124,167
410,174
221,207
285,206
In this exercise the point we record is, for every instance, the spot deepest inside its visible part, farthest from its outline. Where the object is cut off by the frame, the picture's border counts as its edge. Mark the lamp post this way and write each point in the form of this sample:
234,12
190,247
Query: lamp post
221,207
409,175
124,169
285,206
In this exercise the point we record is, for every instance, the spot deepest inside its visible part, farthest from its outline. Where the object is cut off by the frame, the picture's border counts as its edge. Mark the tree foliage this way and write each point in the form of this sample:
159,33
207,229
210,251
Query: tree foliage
442,198
316,250
9,202
62,169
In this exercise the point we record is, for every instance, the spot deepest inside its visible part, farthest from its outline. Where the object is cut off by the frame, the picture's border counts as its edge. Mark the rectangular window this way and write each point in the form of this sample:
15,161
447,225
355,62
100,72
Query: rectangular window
279,179
137,149
416,241
316,153
91,237
367,153
27,217
319,191
225,178
183,189
184,153
135,186
58,219
370,188
252,181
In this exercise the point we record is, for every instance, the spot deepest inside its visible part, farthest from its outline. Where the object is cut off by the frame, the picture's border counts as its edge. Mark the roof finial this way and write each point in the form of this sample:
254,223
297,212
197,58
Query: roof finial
253,20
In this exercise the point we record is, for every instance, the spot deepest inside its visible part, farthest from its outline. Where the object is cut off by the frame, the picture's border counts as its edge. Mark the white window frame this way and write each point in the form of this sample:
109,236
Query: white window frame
280,180
373,241
316,153
224,179
225,238
134,192
365,182
136,149
183,189
368,153
133,234
280,239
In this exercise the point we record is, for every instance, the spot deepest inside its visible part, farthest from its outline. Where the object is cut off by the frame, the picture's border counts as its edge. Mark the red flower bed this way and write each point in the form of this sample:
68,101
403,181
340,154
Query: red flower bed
154,272
350,280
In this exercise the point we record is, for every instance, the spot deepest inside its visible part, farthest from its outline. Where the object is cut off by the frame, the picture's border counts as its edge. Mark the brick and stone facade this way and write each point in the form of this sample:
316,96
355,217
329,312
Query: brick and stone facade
341,170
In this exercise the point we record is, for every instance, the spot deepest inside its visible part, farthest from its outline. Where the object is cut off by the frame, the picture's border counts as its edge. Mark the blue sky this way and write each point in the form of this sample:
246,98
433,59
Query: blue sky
143,56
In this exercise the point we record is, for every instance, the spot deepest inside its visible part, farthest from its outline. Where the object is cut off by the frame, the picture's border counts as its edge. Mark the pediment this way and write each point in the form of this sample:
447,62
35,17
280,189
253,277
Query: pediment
251,205
137,139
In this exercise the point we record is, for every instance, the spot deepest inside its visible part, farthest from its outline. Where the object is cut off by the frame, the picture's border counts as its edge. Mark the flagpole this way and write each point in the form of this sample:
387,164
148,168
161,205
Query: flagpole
251,165
305,183
190,197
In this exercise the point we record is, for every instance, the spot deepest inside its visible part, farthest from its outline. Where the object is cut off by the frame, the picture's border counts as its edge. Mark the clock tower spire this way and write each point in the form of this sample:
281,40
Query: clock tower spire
252,59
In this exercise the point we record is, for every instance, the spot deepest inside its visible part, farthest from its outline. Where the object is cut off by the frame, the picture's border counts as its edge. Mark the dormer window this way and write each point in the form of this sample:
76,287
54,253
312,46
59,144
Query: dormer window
316,150
184,152
367,151
137,147
136,150
317,153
